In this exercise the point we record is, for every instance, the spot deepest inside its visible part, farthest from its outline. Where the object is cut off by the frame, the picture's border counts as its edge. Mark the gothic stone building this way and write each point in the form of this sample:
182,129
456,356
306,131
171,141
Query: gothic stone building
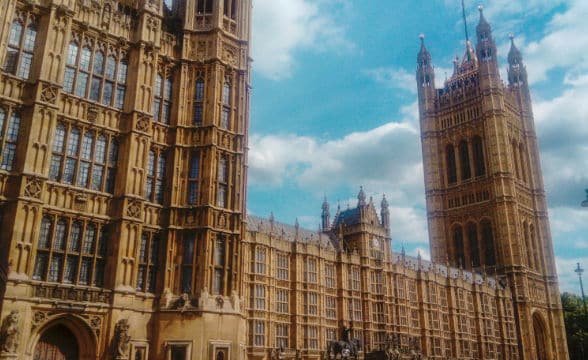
123,172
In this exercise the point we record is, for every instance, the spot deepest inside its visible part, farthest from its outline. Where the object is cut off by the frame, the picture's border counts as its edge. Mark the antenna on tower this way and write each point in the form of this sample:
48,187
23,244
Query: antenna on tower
465,21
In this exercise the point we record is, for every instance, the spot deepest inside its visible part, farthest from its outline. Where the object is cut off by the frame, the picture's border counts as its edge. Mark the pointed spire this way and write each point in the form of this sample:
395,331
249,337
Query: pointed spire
361,197
271,220
425,72
465,21
514,55
385,213
483,24
326,216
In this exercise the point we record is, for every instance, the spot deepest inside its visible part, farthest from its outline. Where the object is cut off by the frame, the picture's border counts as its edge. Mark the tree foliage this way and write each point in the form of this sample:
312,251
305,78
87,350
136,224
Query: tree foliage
576,321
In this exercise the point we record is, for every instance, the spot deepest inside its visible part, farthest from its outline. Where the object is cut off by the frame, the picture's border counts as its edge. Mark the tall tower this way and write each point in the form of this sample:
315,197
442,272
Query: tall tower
123,140
485,199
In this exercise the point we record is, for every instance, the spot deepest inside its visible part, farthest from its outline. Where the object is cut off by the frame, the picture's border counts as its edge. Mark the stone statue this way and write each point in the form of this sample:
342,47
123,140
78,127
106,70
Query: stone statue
123,339
10,333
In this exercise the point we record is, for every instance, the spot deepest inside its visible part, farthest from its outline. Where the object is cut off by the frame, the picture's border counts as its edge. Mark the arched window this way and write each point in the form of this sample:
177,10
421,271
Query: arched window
458,245
472,231
226,111
223,179
488,241
198,102
230,9
148,262
188,254
479,165
464,159
528,251
156,164
515,160
451,164
162,99
193,176
523,162
21,47
536,247
8,139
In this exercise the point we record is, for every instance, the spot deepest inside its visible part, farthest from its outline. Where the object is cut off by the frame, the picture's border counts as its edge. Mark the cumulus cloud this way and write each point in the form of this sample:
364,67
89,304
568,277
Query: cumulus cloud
396,78
281,27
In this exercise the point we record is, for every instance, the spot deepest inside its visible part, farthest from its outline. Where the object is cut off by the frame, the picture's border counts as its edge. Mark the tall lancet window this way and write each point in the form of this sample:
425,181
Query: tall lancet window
479,165
223,178
458,245
451,164
9,127
230,9
198,110
472,231
225,122
488,241
464,159
204,7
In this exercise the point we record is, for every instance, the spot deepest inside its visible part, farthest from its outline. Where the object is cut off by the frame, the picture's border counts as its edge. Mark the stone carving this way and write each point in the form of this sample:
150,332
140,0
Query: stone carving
10,333
220,302
143,124
222,221
39,317
49,93
183,302
134,209
122,339
92,113
78,294
33,187
80,202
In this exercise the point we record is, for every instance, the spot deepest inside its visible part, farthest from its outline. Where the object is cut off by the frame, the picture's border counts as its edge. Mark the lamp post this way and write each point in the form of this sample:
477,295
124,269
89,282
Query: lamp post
580,271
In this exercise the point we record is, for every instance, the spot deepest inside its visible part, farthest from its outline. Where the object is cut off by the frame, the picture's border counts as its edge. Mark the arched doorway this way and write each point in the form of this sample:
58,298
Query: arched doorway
540,337
57,343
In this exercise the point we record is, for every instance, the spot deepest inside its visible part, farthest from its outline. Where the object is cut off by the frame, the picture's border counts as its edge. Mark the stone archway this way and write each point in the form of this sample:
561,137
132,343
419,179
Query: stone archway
57,343
63,338
540,337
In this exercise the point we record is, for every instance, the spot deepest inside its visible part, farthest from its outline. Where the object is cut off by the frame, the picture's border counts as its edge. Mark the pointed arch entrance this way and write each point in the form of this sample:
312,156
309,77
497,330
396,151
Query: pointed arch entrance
540,337
57,343
63,338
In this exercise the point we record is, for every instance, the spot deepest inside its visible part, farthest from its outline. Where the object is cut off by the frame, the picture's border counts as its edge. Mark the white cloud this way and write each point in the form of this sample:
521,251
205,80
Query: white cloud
396,78
281,27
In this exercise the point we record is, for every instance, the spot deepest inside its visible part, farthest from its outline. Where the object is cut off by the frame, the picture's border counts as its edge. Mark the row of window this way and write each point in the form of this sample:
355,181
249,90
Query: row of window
479,240
91,74
282,339
464,157
70,251
189,260
206,7
84,158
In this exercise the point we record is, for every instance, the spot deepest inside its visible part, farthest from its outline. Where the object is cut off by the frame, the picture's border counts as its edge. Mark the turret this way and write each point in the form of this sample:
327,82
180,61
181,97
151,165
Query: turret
486,46
326,216
425,77
361,198
517,72
385,214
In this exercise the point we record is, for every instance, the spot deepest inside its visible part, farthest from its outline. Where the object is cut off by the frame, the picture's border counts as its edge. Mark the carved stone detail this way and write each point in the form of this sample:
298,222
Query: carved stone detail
143,124
80,202
72,294
39,317
134,209
122,339
10,333
92,113
33,187
49,93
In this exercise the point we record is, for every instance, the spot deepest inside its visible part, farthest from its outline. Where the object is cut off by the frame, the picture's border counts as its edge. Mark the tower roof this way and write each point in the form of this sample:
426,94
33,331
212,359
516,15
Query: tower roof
514,55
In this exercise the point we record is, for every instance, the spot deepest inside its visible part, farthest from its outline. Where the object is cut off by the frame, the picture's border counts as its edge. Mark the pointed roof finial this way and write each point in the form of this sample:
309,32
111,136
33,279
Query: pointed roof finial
384,203
361,197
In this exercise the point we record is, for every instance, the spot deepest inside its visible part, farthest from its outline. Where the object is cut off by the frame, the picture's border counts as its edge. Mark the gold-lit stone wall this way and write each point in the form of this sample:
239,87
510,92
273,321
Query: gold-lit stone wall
485,197
447,311
123,128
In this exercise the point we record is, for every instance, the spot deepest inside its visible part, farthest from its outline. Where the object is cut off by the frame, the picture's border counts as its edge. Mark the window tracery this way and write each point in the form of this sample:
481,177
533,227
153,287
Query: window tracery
9,129
21,45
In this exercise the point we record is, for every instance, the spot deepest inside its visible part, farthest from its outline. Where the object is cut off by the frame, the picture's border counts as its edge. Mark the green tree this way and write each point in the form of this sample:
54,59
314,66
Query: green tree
576,326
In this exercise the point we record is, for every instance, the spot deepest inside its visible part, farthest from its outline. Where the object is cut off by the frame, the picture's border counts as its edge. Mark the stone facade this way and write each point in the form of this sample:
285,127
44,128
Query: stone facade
123,172
123,137
484,187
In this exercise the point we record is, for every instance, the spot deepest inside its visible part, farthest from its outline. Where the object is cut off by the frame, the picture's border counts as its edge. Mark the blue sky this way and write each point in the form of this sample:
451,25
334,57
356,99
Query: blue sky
334,106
